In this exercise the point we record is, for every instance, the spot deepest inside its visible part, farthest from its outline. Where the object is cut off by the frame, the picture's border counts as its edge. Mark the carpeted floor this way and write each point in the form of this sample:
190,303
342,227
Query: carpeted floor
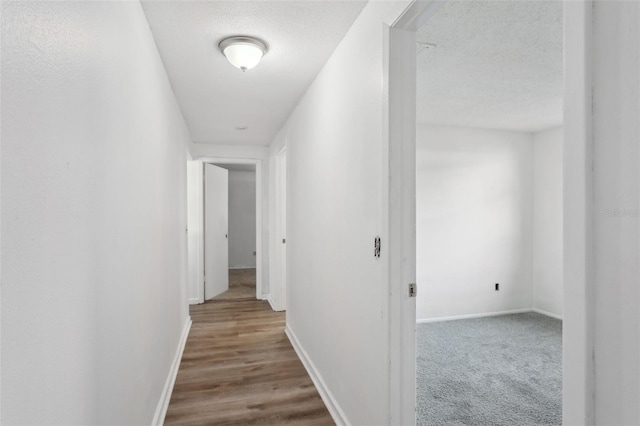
503,370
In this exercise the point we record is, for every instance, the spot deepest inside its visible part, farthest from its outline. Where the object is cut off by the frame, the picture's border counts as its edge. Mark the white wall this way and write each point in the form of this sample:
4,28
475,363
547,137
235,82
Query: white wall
94,214
265,201
242,219
338,297
547,221
277,226
616,212
473,220
195,211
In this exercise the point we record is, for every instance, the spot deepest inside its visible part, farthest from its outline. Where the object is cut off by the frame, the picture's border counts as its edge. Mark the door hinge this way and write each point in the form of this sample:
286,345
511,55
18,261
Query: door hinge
413,289
377,245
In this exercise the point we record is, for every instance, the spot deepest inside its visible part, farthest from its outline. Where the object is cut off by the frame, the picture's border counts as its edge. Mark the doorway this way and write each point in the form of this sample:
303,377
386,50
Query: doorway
278,294
244,255
401,68
489,214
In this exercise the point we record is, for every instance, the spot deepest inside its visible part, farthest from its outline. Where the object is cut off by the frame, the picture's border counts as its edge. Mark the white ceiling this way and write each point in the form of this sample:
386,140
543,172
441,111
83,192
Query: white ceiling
215,97
496,64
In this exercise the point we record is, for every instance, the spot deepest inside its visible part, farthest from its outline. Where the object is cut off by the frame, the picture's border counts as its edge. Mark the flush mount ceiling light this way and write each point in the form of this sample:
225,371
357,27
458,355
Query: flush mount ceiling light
243,52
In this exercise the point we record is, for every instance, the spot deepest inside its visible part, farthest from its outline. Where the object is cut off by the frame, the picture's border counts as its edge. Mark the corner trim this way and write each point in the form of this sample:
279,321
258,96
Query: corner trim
549,314
485,314
327,397
163,404
194,301
271,302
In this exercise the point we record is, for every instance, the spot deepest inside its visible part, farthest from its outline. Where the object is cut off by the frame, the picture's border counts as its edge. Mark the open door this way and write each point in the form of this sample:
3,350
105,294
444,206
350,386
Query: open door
216,224
278,282
282,168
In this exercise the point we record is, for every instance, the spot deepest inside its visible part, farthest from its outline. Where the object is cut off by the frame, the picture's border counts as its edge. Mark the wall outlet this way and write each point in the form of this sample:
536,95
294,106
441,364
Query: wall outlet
497,286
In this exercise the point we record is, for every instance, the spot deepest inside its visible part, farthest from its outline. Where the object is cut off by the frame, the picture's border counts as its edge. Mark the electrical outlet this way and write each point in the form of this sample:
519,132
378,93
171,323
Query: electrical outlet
497,286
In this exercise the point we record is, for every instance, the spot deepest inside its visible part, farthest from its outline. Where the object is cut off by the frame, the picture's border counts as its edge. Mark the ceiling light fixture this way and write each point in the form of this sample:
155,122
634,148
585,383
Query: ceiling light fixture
243,52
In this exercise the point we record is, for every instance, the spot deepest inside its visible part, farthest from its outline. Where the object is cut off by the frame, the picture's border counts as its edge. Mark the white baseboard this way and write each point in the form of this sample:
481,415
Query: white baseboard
549,314
273,305
481,315
194,301
327,397
242,267
264,296
163,404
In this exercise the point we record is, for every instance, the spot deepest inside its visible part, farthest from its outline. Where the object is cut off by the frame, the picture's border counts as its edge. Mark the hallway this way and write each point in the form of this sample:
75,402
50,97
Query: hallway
238,366
107,105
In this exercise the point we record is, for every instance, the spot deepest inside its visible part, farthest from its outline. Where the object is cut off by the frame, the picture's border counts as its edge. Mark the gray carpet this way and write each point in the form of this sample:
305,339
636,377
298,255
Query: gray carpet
503,370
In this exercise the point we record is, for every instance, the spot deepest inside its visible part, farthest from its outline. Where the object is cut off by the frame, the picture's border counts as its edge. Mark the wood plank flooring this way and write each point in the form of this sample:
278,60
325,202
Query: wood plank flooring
242,285
239,368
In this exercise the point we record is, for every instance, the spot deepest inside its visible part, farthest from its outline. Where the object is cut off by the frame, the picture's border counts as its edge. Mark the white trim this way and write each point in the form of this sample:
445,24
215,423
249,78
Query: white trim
398,233
163,404
194,301
259,209
548,314
271,302
256,152
259,220
242,267
264,296
195,228
329,400
281,227
578,361
468,316
277,229
417,15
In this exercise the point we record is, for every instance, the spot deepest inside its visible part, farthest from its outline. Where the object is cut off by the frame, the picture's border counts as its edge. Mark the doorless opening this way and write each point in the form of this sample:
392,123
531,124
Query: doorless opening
400,163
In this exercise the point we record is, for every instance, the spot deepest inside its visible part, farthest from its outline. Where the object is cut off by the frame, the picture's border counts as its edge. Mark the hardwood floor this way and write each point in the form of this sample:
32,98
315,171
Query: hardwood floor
238,367
242,285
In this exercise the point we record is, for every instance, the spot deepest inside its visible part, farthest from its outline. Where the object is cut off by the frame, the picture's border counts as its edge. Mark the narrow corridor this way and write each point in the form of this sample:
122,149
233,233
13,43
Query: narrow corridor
238,366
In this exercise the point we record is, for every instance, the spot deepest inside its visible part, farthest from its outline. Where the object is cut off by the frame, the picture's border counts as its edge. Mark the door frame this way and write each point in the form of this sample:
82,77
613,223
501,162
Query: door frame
399,126
278,298
399,206
259,217
211,206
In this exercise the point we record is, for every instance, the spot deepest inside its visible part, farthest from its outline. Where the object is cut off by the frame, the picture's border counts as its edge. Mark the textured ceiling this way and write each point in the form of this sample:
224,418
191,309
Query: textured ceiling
215,97
496,64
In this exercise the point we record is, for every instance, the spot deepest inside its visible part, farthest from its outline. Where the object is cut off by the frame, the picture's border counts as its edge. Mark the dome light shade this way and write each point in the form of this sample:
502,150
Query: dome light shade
243,52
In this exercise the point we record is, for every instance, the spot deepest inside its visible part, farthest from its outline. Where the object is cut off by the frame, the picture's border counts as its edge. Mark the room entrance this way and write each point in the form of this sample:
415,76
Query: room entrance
542,145
225,229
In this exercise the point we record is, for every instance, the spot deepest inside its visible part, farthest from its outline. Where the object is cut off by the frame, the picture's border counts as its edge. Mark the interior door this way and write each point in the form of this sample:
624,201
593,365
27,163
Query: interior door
283,229
216,223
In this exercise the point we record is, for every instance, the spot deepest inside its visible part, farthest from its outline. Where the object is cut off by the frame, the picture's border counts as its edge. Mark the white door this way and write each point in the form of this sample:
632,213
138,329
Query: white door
283,229
278,284
216,225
